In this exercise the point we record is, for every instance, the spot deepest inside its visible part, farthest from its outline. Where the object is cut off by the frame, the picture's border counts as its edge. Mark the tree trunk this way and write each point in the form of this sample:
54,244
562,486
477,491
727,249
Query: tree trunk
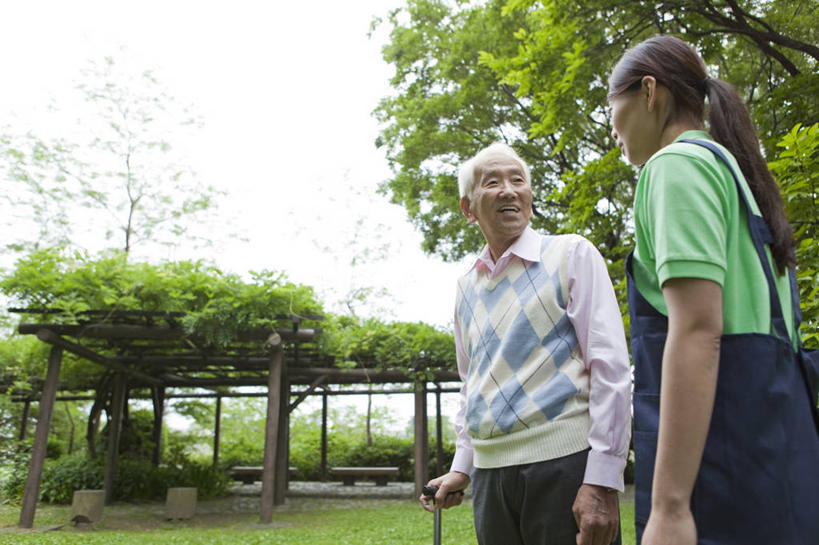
92,429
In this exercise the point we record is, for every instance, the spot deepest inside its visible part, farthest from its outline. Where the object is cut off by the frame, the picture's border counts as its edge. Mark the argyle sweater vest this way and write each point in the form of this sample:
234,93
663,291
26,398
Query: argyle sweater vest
527,387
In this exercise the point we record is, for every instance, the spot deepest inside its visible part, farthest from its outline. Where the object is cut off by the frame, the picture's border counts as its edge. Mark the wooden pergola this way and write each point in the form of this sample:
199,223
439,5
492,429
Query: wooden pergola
151,350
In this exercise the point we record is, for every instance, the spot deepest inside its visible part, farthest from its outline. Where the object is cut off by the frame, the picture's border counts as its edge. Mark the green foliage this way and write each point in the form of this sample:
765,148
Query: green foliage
797,171
385,451
136,479
63,476
217,305
534,73
420,348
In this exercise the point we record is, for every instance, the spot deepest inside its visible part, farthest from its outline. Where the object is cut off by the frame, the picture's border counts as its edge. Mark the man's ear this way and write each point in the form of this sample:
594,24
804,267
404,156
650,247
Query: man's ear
649,91
467,210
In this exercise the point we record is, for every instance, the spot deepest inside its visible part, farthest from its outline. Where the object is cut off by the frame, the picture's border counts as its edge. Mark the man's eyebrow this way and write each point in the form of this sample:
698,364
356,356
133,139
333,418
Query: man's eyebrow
495,171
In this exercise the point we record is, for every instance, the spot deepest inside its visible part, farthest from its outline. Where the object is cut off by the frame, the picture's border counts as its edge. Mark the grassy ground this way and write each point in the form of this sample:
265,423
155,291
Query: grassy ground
302,521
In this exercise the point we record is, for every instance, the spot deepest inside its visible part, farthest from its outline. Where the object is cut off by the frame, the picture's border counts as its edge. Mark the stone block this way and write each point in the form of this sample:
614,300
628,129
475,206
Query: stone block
180,503
86,506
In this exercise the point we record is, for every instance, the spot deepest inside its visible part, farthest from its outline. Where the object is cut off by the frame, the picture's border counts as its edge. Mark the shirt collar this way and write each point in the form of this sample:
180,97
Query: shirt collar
526,247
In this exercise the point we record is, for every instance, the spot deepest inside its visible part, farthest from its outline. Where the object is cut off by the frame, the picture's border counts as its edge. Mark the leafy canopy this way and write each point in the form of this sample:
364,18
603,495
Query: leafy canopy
533,73
217,308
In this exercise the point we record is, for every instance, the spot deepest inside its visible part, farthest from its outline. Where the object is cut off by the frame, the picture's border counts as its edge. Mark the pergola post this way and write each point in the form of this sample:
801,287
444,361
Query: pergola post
274,381
282,442
324,435
114,429
24,423
158,397
35,473
439,435
421,438
217,429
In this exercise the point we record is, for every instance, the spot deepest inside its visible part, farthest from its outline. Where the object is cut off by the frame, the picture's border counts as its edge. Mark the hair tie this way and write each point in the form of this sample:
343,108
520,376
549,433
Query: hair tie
705,83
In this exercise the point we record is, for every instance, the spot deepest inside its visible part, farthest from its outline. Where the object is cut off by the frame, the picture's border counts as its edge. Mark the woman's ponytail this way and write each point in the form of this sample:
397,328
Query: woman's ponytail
731,125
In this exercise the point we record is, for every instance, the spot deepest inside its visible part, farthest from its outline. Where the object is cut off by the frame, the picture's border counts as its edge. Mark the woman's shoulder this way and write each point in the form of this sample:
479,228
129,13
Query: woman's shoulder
690,162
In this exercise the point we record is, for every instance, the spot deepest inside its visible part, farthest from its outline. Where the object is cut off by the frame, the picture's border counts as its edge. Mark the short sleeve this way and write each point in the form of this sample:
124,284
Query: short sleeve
686,217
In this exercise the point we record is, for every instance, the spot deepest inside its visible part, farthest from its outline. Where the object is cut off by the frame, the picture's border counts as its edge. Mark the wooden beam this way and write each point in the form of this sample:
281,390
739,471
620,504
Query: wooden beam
386,391
303,394
24,420
274,381
217,428
439,435
156,333
52,338
32,490
324,436
421,440
334,376
282,443
158,398
114,429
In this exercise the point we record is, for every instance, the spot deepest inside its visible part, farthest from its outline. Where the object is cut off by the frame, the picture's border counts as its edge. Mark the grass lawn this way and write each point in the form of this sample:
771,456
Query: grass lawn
302,521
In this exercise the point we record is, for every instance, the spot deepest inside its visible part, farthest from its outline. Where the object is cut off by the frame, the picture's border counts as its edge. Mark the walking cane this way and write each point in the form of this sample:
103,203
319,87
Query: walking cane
429,491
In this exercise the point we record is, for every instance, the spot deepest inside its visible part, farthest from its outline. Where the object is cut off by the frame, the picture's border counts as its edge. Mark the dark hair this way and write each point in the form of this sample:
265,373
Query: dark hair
678,67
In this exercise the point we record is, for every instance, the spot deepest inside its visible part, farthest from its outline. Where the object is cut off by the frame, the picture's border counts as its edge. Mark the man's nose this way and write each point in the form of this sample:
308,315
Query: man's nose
506,187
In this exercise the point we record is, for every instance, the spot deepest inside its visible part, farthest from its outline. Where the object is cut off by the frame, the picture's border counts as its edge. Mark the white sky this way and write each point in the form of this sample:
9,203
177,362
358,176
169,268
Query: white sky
286,91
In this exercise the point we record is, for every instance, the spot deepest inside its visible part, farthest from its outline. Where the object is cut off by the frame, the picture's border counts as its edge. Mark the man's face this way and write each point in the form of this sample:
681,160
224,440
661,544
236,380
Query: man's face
501,201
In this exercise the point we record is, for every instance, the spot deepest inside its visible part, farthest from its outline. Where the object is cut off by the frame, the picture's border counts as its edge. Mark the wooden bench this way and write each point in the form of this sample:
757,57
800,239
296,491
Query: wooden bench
251,474
350,474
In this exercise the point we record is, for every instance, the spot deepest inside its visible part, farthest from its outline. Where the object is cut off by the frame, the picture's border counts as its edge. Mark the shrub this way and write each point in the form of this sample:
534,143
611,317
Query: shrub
135,480
385,451
63,476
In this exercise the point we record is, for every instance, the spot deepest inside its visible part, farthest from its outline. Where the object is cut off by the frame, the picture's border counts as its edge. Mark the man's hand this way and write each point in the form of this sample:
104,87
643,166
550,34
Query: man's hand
597,513
453,481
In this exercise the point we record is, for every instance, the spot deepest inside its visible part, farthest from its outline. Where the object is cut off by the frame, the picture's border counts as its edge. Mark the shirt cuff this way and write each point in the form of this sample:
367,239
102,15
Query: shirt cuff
605,470
691,269
462,461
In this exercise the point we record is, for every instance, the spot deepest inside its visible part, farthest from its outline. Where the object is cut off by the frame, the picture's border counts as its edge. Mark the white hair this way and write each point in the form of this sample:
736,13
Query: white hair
468,170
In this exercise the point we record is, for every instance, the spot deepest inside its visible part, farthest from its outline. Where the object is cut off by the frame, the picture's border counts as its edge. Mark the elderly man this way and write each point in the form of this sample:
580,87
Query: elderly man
543,429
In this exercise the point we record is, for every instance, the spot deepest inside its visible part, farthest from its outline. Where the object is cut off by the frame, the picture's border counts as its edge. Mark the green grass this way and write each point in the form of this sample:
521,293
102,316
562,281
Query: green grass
304,522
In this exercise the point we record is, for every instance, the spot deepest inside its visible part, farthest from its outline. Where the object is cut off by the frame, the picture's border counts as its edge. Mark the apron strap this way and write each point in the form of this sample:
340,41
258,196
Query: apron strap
761,235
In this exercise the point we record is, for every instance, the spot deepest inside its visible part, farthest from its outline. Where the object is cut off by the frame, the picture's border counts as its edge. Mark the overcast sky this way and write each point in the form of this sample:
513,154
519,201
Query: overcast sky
286,91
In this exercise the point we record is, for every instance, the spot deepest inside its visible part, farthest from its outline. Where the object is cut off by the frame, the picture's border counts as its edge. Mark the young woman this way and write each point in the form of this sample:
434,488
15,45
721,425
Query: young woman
726,447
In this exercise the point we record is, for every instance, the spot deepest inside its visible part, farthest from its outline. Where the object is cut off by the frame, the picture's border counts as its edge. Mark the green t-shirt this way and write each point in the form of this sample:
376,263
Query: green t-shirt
690,223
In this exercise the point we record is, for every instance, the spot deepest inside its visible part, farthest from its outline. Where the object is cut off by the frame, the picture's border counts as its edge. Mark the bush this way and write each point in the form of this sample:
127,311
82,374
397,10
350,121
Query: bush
13,475
135,480
385,451
63,476
346,450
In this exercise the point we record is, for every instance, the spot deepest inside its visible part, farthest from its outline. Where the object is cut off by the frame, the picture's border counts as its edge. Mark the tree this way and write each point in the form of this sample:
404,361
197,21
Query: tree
117,174
534,74
797,170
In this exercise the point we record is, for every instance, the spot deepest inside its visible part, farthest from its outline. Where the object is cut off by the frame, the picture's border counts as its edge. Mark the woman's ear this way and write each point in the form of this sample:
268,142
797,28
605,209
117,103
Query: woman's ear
648,89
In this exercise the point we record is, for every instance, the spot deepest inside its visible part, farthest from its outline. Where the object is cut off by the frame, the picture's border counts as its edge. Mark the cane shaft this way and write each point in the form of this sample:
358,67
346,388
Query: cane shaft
437,535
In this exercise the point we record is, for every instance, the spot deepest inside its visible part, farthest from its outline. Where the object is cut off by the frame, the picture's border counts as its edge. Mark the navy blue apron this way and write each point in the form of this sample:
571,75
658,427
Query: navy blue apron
758,482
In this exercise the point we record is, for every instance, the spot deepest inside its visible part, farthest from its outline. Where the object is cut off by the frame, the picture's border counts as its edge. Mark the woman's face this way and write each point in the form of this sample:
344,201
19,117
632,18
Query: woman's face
634,126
